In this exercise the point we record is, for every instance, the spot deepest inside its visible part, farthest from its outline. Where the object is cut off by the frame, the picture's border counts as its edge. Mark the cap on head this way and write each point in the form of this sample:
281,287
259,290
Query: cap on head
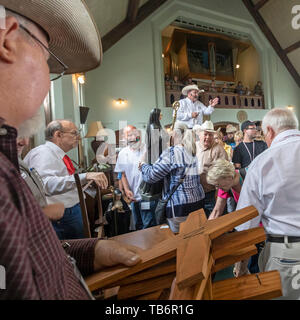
246,124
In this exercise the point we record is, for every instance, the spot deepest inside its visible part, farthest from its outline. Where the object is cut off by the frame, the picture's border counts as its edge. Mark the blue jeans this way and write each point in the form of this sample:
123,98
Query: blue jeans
70,226
143,218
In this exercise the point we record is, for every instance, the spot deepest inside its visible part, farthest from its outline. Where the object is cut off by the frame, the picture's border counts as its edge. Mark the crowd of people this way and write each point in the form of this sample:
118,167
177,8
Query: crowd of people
41,231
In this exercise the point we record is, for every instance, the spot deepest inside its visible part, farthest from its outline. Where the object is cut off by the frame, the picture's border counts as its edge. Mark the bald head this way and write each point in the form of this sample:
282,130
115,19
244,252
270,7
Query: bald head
63,133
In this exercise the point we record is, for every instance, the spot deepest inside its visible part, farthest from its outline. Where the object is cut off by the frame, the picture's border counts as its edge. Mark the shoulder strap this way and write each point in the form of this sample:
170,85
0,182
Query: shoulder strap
180,182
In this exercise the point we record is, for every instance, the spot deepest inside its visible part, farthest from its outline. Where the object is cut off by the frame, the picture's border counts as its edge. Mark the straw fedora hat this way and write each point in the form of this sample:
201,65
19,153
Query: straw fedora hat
206,126
73,34
186,89
230,128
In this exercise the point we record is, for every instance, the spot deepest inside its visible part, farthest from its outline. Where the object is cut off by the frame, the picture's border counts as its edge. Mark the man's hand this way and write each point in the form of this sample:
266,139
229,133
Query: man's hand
214,102
109,253
129,195
54,211
99,178
195,114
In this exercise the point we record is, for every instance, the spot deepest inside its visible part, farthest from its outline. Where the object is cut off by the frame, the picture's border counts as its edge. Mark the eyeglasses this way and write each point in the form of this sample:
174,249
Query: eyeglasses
251,129
61,64
73,133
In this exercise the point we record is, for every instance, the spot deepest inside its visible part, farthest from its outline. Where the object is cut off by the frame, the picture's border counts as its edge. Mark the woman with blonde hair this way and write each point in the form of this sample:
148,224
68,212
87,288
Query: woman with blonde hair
227,179
178,165
238,137
219,139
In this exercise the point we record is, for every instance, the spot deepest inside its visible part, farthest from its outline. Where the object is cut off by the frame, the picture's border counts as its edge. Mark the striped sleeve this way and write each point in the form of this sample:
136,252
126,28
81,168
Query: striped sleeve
83,251
160,169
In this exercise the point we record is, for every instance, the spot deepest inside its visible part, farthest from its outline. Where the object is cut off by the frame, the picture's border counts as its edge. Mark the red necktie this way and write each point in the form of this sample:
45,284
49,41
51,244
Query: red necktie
69,165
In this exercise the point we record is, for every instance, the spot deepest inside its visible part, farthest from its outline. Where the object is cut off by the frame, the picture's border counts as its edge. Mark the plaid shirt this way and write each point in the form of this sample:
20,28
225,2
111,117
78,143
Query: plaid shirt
172,165
36,265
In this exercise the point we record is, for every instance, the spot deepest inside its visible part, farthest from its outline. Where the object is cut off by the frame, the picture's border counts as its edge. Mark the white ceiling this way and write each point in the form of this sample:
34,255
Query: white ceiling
276,13
278,16
109,13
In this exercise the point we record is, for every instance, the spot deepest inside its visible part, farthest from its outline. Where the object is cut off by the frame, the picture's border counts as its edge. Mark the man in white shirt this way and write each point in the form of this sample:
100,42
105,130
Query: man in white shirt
191,110
57,171
127,163
272,186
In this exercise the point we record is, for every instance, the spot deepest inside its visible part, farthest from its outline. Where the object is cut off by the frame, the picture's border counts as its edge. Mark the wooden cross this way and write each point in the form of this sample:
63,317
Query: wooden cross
201,247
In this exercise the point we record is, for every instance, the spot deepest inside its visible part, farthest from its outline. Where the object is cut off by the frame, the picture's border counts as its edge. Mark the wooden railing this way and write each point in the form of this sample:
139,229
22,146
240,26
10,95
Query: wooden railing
226,100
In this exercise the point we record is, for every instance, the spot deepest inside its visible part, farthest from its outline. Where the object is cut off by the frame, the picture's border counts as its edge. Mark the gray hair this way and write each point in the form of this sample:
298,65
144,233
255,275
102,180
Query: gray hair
21,19
279,120
180,126
52,127
24,21
220,169
189,141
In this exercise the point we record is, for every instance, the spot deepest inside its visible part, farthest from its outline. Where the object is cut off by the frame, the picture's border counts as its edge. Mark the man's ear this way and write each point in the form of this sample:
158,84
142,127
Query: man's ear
9,40
57,134
271,132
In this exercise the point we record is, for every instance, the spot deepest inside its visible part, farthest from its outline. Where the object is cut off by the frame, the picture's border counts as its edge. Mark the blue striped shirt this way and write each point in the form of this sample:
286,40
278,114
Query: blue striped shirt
171,166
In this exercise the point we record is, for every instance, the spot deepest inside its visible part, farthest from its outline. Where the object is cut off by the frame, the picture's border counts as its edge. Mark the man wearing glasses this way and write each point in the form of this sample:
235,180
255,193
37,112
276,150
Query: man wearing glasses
250,148
37,264
57,171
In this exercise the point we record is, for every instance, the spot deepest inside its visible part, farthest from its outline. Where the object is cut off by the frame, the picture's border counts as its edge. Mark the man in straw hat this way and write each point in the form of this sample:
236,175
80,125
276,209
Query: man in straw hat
229,139
191,110
37,264
207,152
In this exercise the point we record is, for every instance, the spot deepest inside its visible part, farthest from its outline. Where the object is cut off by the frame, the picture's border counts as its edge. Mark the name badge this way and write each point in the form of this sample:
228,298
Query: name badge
145,206
23,175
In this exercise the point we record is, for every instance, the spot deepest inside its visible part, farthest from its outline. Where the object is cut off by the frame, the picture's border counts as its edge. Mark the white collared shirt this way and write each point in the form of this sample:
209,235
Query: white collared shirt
128,161
187,107
272,186
59,186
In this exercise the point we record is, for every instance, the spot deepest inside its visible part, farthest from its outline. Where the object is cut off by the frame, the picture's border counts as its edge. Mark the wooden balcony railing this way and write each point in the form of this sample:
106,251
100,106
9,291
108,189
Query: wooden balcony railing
226,100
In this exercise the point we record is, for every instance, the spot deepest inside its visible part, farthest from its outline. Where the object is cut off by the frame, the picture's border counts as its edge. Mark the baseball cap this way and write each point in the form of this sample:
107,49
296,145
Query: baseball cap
246,124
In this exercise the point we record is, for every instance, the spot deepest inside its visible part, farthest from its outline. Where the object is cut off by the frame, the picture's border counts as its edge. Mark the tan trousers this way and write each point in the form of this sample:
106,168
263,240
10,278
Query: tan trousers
284,257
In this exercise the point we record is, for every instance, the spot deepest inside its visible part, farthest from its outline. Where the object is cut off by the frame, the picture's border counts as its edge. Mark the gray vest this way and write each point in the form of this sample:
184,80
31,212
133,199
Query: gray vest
34,182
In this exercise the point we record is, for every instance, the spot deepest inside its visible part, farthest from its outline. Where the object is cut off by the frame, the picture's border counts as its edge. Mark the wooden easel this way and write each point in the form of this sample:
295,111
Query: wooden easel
183,264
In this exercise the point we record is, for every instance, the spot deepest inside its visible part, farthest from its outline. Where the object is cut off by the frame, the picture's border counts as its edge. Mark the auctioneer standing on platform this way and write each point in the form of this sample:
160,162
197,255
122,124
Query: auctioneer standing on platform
191,110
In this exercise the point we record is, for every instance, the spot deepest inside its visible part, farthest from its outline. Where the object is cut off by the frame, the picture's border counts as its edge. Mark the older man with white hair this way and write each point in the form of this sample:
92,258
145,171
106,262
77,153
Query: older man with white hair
207,152
272,186
191,110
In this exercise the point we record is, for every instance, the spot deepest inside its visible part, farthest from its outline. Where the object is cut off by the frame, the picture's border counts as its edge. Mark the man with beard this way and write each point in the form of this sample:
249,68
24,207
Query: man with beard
127,163
247,150
229,139
191,110
27,129
37,264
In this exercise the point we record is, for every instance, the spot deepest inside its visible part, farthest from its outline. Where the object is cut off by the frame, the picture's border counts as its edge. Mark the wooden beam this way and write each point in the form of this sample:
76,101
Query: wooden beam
275,44
124,27
132,11
260,4
236,241
229,260
260,286
146,286
292,47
